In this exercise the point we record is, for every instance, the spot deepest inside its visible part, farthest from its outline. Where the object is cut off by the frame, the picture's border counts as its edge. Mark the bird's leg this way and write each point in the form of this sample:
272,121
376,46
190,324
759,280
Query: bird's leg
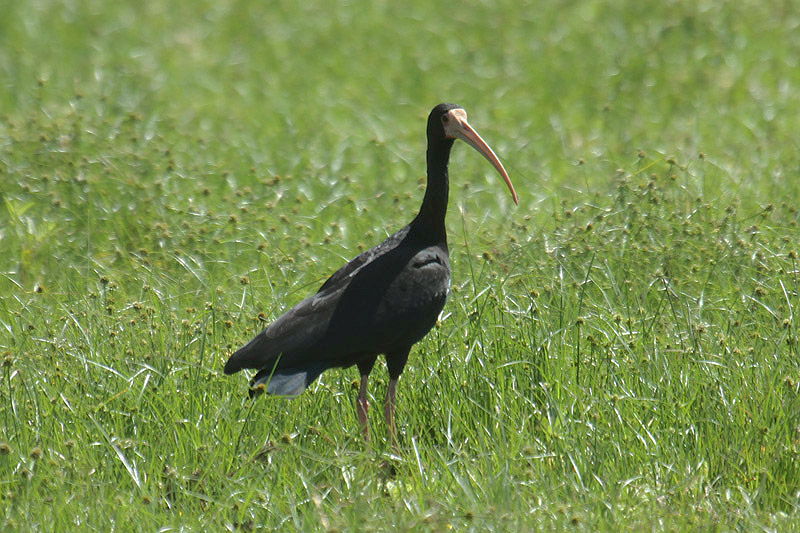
362,406
388,410
395,362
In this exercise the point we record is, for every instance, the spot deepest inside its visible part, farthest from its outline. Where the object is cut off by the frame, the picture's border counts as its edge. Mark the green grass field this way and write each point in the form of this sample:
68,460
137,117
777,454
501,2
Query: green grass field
619,352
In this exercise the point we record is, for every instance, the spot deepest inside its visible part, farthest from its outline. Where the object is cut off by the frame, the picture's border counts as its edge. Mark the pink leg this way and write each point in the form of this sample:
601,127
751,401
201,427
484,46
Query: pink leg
362,407
388,409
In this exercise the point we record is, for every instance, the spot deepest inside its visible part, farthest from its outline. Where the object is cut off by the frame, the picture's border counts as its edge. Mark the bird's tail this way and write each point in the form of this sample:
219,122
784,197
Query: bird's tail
288,382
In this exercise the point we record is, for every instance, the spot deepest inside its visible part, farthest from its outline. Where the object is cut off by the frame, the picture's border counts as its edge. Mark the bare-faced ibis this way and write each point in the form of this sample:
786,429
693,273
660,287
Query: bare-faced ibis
381,302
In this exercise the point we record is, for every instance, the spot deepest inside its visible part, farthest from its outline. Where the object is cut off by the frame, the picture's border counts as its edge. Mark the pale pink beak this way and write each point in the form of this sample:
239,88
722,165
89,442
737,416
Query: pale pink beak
456,127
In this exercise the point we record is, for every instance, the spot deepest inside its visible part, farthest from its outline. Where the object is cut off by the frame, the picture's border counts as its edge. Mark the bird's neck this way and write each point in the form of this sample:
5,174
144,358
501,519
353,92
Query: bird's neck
430,219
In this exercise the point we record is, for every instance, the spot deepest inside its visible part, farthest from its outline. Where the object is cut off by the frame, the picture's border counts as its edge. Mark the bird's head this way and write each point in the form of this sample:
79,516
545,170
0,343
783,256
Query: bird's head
449,122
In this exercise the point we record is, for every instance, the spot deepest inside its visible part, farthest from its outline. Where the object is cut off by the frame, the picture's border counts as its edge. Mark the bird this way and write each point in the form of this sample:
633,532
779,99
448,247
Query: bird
383,301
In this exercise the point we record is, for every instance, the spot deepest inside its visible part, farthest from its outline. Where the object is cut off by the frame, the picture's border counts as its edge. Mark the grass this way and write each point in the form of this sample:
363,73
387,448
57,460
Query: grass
620,351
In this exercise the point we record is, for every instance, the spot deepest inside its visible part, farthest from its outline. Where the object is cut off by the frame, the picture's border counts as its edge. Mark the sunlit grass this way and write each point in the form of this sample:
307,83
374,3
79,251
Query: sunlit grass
619,351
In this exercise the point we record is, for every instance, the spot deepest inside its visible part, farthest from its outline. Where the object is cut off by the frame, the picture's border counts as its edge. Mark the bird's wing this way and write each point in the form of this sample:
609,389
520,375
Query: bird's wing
346,273
294,331
308,323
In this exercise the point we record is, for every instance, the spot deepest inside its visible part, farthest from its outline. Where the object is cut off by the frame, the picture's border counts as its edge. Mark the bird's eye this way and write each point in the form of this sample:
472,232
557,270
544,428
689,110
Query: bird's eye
445,119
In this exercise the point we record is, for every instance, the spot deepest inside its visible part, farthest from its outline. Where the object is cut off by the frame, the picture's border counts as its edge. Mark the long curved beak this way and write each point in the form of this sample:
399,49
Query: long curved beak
457,127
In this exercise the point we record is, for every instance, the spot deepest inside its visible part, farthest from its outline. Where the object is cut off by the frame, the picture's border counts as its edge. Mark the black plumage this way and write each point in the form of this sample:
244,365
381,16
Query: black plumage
381,302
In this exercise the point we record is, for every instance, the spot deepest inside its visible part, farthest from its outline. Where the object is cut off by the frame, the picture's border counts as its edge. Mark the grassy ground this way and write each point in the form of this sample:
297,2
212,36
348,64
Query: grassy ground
618,352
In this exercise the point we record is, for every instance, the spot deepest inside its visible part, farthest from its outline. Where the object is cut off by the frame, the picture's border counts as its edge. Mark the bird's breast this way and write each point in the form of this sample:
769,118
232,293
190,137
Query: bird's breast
420,289
393,300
